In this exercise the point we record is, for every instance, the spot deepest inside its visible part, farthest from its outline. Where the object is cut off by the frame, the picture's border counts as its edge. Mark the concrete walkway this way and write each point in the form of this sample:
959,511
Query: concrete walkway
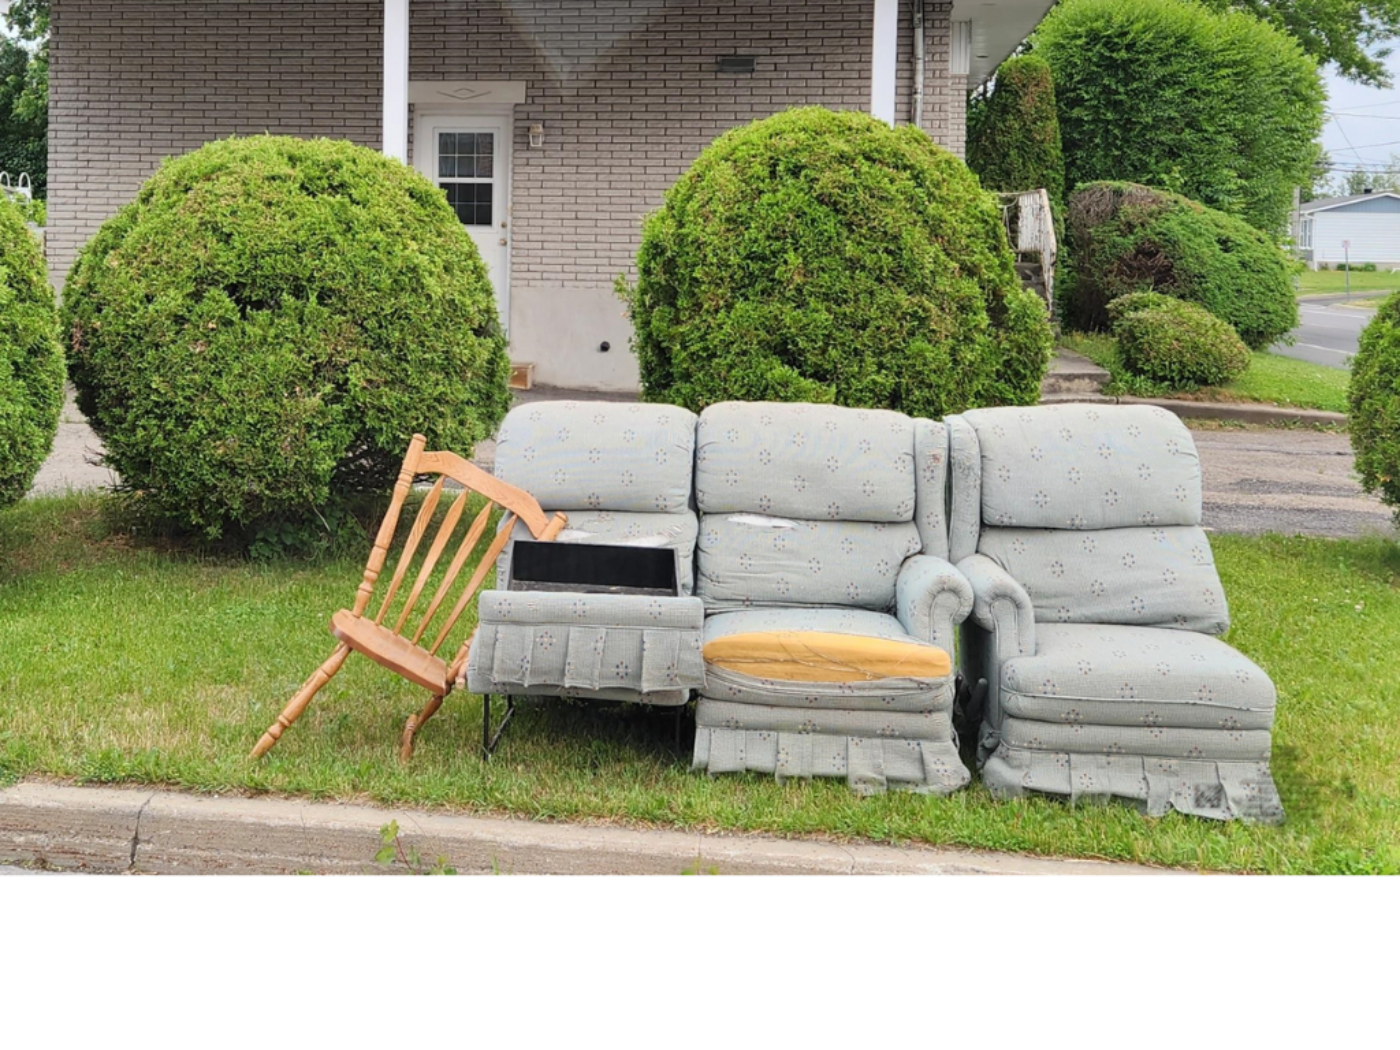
140,831
1259,480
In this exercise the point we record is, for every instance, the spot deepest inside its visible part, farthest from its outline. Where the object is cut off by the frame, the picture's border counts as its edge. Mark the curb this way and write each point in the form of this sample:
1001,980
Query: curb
142,831
1236,412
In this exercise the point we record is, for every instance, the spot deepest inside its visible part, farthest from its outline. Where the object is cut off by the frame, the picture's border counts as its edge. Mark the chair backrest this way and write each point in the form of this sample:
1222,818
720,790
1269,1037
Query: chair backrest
1095,510
814,504
599,455
428,630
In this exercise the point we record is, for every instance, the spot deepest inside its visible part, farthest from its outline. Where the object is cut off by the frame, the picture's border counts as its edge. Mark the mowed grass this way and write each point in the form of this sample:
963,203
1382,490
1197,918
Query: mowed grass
1271,378
124,663
1327,282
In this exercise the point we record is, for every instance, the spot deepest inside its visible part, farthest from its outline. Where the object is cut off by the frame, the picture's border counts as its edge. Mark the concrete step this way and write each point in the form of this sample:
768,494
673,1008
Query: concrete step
1073,374
1077,399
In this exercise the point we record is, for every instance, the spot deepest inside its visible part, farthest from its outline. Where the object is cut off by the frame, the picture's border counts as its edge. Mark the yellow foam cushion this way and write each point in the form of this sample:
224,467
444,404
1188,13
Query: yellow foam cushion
820,656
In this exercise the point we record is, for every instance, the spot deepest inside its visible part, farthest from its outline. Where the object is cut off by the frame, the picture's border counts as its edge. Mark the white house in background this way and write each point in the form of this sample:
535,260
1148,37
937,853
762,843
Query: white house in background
1362,229
554,126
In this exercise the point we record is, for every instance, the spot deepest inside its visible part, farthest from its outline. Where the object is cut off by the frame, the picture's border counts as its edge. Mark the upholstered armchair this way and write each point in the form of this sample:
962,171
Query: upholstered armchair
1096,614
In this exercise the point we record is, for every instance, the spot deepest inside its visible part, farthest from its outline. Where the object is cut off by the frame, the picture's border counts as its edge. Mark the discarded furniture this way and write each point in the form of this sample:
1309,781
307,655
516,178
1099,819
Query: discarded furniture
622,473
394,638
823,541
1096,606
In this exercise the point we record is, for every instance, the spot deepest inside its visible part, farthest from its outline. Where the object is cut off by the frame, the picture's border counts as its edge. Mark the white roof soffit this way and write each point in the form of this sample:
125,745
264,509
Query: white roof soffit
998,27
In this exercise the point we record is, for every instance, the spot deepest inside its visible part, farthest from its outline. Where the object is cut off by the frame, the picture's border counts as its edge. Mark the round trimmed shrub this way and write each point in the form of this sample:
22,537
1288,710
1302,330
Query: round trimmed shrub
1374,402
258,335
1013,136
821,256
31,358
1124,238
1176,344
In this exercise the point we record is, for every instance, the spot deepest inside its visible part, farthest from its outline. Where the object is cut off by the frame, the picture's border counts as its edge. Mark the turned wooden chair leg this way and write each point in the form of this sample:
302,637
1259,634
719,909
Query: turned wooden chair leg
298,703
415,723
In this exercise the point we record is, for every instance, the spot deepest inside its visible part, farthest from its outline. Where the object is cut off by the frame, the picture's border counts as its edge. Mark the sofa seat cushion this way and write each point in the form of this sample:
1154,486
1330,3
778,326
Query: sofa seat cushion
629,528
1145,677
817,656
904,693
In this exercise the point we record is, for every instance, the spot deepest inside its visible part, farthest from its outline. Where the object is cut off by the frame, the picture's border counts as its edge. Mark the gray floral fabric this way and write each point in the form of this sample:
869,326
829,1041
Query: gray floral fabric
964,489
817,462
677,531
1086,467
931,485
599,455
576,642
1157,577
931,598
888,694
746,560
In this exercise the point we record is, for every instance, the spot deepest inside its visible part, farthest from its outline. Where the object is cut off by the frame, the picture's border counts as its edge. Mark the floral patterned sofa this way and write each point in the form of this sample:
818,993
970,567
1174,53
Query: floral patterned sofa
1096,614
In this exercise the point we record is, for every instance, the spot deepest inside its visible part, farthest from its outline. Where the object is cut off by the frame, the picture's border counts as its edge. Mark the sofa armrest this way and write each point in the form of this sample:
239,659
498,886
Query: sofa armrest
1000,606
931,599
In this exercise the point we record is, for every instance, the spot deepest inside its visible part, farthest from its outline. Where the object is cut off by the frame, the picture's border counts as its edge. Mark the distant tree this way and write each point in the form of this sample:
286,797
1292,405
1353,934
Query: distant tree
1013,136
1368,180
1220,107
1345,33
24,93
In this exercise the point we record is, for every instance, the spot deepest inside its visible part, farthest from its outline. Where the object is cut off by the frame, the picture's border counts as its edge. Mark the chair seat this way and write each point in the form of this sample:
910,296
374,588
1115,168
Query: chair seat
1105,675
390,650
923,690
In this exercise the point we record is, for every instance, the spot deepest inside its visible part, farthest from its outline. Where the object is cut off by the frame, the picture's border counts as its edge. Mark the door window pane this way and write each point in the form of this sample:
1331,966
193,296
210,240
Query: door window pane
471,201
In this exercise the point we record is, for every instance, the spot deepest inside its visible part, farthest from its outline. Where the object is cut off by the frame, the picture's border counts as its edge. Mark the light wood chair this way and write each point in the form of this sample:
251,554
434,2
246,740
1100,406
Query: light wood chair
397,647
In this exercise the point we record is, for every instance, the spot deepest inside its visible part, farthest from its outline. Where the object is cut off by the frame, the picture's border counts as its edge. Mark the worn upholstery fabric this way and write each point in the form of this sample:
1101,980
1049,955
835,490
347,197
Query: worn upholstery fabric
931,485
964,489
871,765
599,455
818,462
578,642
745,560
1095,601
931,597
815,656
1086,467
677,531
1157,577
887,694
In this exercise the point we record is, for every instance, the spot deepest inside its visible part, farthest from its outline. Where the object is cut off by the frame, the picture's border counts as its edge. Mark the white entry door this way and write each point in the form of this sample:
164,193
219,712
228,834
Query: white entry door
469,158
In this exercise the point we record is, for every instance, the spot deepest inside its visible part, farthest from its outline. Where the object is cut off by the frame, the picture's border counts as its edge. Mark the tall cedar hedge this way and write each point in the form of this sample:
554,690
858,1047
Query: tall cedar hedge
31,358
259,334
1124,238
1013,137
827,257
1374,395
1218,106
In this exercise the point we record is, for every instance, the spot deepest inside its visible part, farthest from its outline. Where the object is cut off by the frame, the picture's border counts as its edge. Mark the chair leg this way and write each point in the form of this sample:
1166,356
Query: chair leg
415,723
297,705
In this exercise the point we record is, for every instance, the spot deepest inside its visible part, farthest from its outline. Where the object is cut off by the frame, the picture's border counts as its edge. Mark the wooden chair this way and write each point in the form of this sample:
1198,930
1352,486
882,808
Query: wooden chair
396,647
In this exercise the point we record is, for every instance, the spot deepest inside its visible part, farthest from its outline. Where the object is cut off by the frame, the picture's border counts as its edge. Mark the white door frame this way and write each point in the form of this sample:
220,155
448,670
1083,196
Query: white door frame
428,120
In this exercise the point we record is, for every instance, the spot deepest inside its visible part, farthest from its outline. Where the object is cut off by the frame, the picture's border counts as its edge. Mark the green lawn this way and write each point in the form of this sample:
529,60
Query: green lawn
1320,282
1271,378
130,663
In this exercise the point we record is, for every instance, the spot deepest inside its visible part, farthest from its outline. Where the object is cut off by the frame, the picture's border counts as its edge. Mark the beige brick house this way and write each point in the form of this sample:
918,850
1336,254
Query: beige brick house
553,126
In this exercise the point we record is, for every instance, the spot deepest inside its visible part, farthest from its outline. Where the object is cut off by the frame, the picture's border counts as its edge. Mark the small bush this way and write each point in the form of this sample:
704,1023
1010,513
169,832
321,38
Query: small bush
1374,397
1175,343
1123,238
820,256
1368,267
1013,137
257,336
31,358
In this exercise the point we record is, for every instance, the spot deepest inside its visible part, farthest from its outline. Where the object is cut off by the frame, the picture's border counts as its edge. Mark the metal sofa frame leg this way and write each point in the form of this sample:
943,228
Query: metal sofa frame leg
489,740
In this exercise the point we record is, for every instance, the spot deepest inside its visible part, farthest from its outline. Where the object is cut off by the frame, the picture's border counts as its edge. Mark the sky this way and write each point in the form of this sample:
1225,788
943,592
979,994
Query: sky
1363,126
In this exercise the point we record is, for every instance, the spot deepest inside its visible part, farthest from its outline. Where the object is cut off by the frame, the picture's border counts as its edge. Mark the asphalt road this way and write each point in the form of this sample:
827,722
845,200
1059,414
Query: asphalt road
1329,331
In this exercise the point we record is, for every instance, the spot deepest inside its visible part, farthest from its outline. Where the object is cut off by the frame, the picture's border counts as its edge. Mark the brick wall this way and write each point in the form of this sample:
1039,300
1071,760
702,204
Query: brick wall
626,89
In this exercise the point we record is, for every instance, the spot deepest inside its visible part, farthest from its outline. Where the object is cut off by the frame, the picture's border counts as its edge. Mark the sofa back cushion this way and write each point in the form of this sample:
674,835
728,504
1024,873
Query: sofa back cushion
748,560
1152,577
810,462
1086,467
599,455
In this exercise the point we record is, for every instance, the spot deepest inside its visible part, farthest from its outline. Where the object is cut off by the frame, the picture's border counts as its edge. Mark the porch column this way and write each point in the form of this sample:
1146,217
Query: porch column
396,79
883,59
